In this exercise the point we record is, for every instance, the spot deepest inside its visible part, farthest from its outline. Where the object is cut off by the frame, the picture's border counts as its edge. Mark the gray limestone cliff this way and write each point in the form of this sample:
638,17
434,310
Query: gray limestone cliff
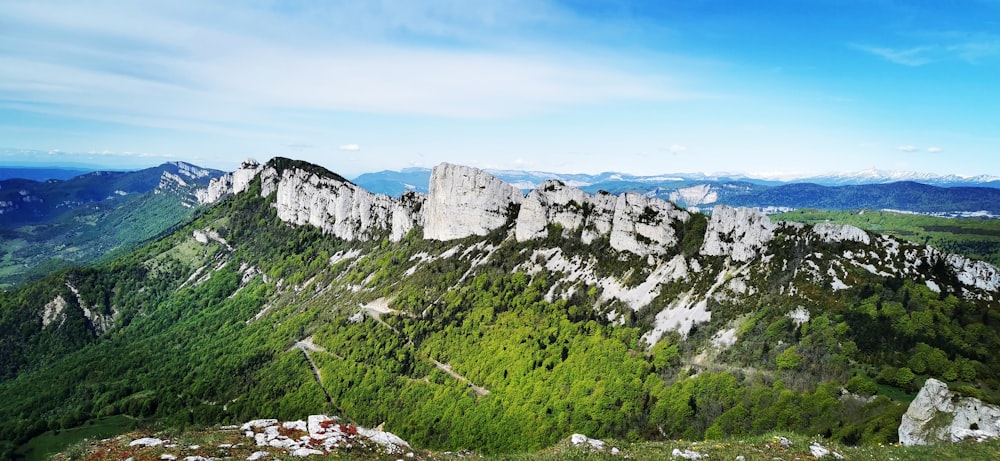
642,225
332,204
464,201
740,233
636,224
938,415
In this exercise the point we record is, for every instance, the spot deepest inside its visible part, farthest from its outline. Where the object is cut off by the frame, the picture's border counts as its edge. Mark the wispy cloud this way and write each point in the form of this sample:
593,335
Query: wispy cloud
939,47
934,150
350,147
677,149
916,56
229,68
907,148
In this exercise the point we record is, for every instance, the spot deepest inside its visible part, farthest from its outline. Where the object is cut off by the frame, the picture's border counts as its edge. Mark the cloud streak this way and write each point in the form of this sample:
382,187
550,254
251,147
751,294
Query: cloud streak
156,67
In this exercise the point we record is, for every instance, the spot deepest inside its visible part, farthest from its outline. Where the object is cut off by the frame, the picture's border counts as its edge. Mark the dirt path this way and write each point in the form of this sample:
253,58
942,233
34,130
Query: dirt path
447,369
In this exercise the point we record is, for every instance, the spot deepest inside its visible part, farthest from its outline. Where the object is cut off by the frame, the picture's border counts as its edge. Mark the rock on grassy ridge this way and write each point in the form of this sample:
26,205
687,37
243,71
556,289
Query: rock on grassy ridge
938,415
231,443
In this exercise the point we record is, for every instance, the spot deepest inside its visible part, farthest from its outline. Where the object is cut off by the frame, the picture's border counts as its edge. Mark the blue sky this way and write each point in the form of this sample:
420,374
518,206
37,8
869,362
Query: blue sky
762,87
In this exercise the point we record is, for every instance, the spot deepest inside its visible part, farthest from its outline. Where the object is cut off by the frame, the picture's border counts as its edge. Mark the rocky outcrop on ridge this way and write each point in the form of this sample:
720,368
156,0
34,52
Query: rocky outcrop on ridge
337,207
230,183
637,224
642,225
552,203
739,233
466,201
938,415
830,232
330,203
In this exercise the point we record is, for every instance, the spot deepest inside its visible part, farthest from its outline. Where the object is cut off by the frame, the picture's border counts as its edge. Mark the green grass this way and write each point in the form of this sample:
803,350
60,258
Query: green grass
49,443
972,237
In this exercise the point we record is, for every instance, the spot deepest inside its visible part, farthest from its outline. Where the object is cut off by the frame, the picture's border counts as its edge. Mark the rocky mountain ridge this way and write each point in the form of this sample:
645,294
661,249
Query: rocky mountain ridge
480,315
465,201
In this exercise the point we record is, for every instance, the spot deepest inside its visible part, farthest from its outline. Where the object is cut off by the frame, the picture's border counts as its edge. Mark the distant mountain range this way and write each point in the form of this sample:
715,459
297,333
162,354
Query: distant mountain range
55,223
942,195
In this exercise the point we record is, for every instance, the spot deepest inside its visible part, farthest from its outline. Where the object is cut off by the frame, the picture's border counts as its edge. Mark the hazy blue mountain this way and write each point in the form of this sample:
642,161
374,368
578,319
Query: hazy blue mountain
943,195
40,173
54,224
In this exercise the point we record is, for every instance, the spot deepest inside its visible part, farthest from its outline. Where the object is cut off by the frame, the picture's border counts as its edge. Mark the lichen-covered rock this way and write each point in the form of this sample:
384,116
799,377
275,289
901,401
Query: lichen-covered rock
830,232
465,201
938,415
739,233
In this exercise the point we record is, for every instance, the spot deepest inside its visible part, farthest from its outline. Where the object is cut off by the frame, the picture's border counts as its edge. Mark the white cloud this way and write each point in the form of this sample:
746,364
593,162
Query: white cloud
908,57
934,150
907,148
226,69
677,149
350,147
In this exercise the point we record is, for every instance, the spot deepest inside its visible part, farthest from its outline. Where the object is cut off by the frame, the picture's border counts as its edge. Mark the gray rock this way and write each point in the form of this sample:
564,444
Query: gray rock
740,233
938,415
464,201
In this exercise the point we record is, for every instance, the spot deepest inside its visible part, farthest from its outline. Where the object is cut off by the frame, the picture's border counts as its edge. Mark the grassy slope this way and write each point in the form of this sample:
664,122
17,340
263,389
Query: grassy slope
976,238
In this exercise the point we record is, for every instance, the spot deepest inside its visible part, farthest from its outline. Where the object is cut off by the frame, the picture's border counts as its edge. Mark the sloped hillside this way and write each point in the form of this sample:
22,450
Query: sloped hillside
46,226
479,317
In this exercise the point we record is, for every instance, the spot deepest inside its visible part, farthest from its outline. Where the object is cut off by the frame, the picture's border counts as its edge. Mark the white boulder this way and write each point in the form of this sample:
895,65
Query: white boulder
938,415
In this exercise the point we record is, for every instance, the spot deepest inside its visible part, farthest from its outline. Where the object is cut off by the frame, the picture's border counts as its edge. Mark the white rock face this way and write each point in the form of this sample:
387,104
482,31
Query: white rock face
830,232
230,183
53,310
702,194
337,207
978,274
551,203
642,225
739,233
937,415
464,201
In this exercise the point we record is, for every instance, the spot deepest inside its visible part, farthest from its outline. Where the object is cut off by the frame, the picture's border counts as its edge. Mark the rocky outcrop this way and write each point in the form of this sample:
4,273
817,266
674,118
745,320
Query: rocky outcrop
551,203
938,415
740,233
466,201
322,435
642,225
977,274
230,183
830,232
331,203
337,207
636,224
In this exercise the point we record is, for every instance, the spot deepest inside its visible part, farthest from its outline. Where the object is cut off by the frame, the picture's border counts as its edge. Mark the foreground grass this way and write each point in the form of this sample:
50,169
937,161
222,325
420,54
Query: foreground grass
44,446
231,444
